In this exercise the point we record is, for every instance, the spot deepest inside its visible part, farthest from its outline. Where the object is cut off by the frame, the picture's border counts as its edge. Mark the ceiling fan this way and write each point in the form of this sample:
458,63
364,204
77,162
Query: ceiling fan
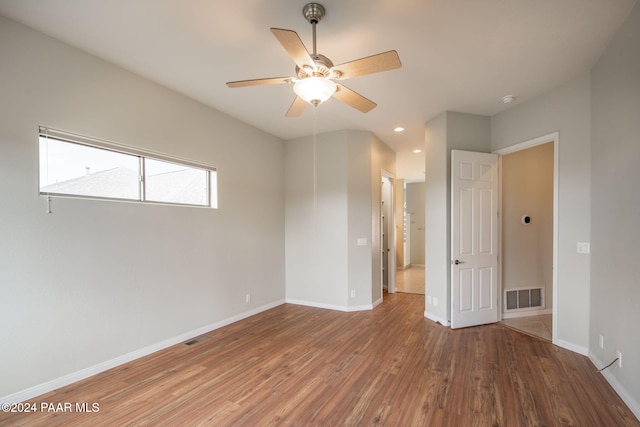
315,73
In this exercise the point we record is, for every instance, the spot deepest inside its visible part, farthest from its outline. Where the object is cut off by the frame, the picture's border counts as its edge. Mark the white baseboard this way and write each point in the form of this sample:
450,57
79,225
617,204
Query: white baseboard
436,319
344,308
633,404
73,377
571,346
364,307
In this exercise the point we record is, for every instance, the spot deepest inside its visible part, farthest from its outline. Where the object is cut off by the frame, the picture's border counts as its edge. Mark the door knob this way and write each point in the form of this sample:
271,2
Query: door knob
456,262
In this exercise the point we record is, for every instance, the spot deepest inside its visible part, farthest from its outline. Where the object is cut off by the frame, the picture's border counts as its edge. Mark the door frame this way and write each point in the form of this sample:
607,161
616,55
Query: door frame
406,230
553,137
391,237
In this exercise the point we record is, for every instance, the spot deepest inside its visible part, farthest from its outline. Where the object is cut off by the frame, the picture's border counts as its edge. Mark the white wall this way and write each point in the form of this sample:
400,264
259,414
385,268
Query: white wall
566,110
96,280
615,208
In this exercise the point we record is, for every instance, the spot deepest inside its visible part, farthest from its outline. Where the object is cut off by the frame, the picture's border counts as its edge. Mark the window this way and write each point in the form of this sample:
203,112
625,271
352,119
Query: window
76,166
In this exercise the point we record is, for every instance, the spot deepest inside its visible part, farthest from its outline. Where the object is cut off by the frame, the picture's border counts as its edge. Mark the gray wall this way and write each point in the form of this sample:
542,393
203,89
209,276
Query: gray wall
527,249
566,110
323,261
415,193
95,280
449,131
615,206
317,268
383,159
437,253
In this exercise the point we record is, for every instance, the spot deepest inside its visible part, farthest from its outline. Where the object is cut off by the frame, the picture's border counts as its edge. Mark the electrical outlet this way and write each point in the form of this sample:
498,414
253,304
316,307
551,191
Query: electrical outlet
353,293
435,301
619,356
247,298
601,341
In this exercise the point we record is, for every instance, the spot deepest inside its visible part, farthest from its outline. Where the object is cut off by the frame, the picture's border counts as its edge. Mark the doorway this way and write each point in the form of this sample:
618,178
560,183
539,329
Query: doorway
410,274
387,235
528,206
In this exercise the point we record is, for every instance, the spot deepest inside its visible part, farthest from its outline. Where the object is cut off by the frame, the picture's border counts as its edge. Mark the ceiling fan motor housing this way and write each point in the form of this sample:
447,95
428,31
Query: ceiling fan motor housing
323,68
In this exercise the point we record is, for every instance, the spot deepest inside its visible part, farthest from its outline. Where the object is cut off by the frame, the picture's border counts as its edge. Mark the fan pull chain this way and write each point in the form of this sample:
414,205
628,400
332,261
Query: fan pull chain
315,166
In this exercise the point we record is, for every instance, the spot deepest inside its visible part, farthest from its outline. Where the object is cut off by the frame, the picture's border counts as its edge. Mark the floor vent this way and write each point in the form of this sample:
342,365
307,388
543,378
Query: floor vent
197,340
524,298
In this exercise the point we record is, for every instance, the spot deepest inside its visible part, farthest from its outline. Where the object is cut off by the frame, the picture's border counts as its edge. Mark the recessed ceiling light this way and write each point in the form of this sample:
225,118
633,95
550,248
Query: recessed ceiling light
398,129
417,150
508,98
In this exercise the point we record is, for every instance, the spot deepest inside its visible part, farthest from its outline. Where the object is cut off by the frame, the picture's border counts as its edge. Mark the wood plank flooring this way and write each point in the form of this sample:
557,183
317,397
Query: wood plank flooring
302,366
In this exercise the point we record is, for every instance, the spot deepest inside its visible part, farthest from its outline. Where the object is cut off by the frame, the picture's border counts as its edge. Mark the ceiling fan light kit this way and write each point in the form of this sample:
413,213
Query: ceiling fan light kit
315,90
316,73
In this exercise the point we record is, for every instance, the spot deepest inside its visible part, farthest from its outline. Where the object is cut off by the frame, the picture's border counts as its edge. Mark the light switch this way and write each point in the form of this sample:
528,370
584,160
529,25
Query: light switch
584,248
362,241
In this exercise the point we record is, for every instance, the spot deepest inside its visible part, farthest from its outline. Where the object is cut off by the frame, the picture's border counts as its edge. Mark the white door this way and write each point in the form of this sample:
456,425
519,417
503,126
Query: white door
474,238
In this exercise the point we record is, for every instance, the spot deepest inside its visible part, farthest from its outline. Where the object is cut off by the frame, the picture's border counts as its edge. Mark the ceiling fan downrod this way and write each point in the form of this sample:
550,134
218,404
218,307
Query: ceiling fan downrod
314,12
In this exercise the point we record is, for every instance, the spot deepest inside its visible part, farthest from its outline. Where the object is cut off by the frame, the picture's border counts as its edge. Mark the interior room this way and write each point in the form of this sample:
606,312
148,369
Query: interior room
252,265
527,239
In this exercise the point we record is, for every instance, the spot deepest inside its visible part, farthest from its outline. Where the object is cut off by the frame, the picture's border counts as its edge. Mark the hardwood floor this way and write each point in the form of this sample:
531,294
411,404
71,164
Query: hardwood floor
302,366
410,279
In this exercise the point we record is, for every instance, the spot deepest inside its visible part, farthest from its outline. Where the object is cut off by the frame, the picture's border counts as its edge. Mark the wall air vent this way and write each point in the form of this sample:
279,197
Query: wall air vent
516,299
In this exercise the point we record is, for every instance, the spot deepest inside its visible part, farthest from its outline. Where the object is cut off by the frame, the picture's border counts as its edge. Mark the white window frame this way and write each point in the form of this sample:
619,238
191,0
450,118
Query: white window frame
142,155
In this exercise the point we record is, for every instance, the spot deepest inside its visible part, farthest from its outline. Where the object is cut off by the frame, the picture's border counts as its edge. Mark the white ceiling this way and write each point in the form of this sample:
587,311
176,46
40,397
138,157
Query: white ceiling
457,55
